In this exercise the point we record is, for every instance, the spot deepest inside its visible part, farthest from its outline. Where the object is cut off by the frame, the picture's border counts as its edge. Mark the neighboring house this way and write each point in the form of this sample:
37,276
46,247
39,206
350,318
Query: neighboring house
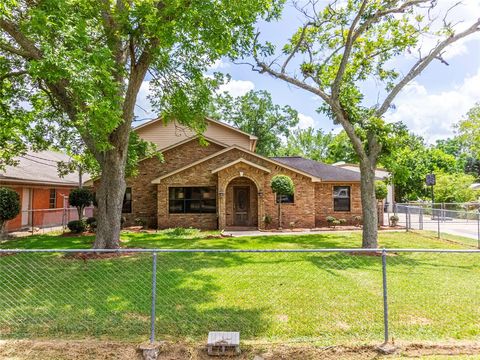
380,174
41,190
227,185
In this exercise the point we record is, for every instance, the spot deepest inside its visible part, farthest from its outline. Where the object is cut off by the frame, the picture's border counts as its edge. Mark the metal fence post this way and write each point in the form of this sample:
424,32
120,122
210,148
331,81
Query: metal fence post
438,224
385,296
154,295
420,219
478,228
406,218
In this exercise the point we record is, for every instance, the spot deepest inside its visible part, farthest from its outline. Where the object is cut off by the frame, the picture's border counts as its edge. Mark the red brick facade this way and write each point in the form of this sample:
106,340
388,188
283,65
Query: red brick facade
38,199
219,168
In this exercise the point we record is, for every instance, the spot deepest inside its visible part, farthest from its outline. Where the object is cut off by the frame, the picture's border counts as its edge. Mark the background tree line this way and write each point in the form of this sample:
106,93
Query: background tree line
455,160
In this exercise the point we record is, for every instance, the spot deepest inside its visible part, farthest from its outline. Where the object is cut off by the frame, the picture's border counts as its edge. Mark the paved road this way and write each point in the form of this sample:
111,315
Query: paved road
460,227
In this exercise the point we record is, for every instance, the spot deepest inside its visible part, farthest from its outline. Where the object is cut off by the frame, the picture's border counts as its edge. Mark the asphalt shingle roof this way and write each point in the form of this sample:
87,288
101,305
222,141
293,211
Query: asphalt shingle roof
39,167
318,169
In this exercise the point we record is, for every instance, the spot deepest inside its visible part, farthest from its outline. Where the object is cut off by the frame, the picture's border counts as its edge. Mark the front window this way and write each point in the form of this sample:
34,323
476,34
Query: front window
286,199
127,201
53,199
192,200
341,198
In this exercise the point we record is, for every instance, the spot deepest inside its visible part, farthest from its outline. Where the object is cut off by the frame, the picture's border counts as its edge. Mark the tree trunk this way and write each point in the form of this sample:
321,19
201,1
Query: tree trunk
280,214
109,197
369,205
3,230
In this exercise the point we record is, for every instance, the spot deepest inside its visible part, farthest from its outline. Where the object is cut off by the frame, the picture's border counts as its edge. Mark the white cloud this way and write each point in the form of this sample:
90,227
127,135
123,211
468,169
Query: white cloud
305,121
219,64
237,87
432,115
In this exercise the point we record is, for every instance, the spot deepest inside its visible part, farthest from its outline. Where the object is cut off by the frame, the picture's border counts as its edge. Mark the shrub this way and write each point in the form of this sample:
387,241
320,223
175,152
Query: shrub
80,198
9,206
77,226
357,220
342,221
381,190
330,220
140,222
282,185
91,223
394,220
335,223
267,220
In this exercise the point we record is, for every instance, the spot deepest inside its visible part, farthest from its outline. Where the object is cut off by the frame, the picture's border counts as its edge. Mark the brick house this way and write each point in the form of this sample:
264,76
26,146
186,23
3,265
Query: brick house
43,194
225,184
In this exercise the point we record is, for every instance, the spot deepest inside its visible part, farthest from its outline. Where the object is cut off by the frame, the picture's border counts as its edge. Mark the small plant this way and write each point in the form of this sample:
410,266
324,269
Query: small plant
394,220
335,223
80,198
281,185
91,223
342,221
381,190
267,220
330,220
291,224
140,222
357,220
77,226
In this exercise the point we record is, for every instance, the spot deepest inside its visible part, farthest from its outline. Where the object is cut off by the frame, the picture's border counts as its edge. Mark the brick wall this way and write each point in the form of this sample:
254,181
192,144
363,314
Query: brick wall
144,193
324,203
40,200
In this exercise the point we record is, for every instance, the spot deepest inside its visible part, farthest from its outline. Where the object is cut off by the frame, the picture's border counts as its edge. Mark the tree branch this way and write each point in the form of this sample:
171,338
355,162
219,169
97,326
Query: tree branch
265,68
13,74
351,37
26,44
422,63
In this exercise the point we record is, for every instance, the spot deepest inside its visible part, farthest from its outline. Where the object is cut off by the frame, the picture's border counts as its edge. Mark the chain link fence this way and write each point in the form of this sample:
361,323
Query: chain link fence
442,218
40,221
329,296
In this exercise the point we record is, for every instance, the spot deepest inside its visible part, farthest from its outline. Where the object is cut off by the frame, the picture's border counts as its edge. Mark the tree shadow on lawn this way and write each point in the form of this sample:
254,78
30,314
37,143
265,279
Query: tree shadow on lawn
51,296
163,240
48,241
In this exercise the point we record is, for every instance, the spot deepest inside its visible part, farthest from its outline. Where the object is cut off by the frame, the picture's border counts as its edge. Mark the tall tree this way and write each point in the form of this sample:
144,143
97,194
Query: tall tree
79,64
309,143
469,131
343,46
256,114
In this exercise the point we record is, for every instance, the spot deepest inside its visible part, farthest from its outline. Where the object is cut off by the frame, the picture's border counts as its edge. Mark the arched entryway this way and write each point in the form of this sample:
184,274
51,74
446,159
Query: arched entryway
241,203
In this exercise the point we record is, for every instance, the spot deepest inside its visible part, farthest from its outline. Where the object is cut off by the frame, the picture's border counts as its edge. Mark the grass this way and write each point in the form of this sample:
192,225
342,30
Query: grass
327,298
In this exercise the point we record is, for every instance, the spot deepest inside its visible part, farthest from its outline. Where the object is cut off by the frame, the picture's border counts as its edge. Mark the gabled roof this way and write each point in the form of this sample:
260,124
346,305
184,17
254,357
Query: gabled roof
241,160
271,160
252,137
208,139
39,168
318,169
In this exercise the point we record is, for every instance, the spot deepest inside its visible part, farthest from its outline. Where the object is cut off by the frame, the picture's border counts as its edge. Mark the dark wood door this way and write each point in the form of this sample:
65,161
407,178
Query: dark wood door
241,205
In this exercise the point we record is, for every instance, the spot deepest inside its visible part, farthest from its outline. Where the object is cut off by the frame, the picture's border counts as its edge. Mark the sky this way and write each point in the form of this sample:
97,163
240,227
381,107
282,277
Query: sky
429,106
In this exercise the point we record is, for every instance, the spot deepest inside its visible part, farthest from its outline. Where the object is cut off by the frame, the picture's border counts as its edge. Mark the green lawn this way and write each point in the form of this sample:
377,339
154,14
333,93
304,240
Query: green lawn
329,298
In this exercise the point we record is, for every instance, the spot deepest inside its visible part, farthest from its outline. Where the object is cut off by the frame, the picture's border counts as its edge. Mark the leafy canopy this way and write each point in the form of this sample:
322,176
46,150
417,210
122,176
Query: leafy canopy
282,185
75,66
80,198
256,114
9,205
381,190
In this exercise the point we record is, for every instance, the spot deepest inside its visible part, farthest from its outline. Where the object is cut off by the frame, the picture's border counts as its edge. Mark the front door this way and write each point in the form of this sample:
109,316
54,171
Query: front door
241,205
